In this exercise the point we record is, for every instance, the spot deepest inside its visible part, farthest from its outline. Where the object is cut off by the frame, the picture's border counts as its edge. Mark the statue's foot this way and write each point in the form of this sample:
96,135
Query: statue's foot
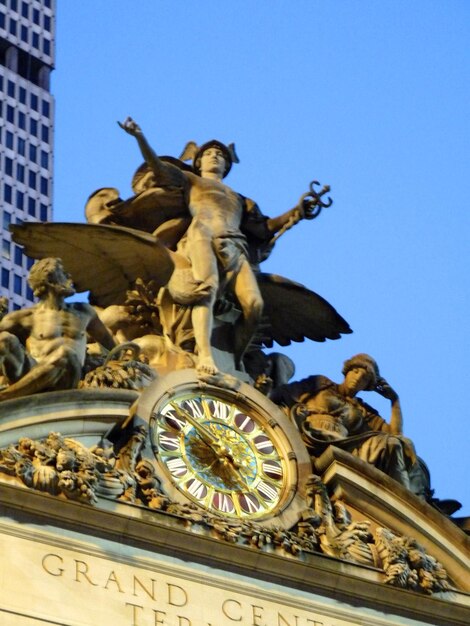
206,366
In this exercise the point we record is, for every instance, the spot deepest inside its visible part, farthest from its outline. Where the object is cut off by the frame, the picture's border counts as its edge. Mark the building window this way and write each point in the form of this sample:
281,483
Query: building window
22,95
44,186
7,193
5,278
20,200
34,102
10,114
14,5
33,127
11,88
17,284
45,133
31,204
18,256
24,9
9,140
32,151
29,263
46,44
2,20
20,172
43,213
29,293
5,249
36,16
46,109
35,40
22,120
8,167
21,146
24,34
6,220
32,180
47,22
44,159
12,27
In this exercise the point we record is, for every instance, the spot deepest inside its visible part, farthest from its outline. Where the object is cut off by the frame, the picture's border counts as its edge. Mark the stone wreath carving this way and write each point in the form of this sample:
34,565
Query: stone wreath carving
64,467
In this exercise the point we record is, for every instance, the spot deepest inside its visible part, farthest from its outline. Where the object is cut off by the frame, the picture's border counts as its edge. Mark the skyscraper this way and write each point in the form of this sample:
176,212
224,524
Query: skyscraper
26,131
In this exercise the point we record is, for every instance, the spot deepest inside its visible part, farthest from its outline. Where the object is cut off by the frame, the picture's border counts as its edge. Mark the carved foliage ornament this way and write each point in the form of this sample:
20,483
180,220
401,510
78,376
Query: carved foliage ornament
64,467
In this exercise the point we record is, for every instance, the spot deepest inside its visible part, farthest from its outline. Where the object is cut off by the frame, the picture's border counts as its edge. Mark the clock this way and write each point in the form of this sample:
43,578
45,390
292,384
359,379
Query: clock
232,453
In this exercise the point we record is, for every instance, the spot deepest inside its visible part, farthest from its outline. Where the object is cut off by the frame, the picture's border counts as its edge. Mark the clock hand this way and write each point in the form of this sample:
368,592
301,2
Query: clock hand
211,440
204,433
218,448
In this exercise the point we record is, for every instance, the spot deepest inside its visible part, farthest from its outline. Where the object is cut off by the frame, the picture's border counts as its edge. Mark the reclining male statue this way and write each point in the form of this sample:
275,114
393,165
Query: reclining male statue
43,347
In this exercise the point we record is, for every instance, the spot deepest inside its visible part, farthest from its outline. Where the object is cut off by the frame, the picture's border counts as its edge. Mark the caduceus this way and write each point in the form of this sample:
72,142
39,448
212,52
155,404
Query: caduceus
309,206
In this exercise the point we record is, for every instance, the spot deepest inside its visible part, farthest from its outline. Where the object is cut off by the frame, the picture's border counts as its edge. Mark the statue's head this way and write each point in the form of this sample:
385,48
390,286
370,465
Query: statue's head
196,153
99,203
49,275
362,367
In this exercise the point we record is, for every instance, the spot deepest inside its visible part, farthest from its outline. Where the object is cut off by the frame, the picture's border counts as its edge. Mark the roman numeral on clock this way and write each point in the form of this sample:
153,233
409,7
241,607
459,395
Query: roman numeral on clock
177,467
263,444
193,407
173,420
196,489
249,503
266,491
168,441
223,502
244,423
272,470
219,410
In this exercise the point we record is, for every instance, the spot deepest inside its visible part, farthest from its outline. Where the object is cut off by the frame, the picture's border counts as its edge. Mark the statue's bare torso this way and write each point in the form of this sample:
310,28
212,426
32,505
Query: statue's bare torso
214,205
51,329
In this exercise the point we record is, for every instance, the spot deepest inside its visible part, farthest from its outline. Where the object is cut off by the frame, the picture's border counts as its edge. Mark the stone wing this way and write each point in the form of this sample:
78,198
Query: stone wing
294,313
105,260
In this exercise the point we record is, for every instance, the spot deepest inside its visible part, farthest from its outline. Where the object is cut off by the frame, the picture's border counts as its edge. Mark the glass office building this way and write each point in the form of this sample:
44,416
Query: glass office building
26,131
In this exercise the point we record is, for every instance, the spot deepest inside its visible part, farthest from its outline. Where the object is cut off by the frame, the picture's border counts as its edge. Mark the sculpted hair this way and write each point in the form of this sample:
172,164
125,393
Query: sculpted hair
366,362
39,275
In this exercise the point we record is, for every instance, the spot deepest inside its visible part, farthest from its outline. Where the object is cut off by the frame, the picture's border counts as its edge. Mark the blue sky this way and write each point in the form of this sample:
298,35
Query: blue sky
369,97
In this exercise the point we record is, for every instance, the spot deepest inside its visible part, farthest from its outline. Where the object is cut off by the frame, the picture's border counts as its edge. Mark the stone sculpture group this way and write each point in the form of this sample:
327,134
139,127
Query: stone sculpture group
175,282
198,299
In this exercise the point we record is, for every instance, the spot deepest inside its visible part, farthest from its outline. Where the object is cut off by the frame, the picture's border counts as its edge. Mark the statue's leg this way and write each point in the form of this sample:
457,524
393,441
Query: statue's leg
385,452
420,480
61,369
205,271
394,461
249,297
203,260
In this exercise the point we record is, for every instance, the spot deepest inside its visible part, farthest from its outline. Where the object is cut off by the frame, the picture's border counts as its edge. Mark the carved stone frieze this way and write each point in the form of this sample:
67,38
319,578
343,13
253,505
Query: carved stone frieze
64,467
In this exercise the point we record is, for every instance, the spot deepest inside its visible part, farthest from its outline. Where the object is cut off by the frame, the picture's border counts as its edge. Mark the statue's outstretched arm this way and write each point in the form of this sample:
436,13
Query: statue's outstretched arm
165,173
310,205
289,218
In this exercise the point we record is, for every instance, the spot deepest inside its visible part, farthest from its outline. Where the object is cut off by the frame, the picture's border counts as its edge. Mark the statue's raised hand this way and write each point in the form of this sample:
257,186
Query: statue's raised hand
130,126
385,390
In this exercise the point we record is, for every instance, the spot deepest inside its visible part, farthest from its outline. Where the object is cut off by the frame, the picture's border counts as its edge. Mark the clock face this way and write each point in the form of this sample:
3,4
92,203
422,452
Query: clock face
224,451
219,455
